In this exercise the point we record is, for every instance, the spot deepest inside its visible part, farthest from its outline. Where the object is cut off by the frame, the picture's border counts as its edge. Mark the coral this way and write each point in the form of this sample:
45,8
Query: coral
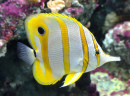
76,3
81,10
2,47
121,93
31,1
92,90
110,21
122,31
55,5
11,8
12,13
117,42
68,3
108,85
73,12
127,8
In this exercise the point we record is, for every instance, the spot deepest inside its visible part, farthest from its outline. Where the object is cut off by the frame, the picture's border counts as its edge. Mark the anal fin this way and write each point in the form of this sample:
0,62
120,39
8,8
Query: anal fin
71,78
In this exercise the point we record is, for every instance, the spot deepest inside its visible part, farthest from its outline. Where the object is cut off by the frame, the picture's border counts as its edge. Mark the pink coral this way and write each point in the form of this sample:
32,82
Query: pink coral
13,8
92,90
12,12
128,82
73,11
100,69
24,2
122,31
121,93
108,85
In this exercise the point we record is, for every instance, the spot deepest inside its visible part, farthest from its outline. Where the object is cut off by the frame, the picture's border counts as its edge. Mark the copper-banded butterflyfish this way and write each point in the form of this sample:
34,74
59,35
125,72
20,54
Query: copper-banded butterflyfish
61,45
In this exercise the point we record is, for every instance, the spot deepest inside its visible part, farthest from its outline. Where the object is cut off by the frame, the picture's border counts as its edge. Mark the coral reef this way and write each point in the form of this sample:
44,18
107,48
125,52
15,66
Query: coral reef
31,1
117,41
110,21
107,84
68,3
16,77
73,12
81,10
12,14
122,31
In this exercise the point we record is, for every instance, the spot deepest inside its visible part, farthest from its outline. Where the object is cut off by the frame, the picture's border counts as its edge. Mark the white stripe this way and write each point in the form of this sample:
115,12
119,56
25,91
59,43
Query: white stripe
75,45
55,47
91,49
39,55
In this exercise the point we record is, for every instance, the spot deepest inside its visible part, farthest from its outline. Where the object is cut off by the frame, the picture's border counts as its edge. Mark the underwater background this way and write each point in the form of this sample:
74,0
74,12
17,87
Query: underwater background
108,20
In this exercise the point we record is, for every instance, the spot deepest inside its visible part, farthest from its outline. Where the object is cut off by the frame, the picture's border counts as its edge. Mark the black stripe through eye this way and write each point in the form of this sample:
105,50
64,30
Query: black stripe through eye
40,30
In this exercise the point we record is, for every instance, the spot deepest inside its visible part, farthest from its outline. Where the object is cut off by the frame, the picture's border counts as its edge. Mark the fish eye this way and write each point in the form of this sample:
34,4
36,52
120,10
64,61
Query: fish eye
97,52
41,30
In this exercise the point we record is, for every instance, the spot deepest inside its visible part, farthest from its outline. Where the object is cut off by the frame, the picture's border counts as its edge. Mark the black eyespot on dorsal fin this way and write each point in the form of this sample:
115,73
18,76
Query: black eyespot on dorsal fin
97,52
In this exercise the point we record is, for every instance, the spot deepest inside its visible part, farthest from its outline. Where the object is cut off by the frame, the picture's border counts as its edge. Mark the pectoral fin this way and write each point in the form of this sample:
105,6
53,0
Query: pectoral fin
25,53
71,78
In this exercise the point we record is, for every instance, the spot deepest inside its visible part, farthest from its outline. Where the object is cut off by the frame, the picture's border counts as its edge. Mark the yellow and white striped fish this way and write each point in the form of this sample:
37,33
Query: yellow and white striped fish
61,46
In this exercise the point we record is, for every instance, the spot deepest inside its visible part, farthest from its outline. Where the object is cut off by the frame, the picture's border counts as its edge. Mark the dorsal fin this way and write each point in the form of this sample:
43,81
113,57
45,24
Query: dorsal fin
58,15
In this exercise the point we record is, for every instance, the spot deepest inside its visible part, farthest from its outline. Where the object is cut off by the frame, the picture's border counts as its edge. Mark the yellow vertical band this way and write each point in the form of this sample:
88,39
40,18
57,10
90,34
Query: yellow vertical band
85,47
32,29
44,47
65,41
39,76
44,51
97,50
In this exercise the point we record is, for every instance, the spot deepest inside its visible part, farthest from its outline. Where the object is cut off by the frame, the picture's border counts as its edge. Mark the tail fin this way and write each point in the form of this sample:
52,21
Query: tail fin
25,53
